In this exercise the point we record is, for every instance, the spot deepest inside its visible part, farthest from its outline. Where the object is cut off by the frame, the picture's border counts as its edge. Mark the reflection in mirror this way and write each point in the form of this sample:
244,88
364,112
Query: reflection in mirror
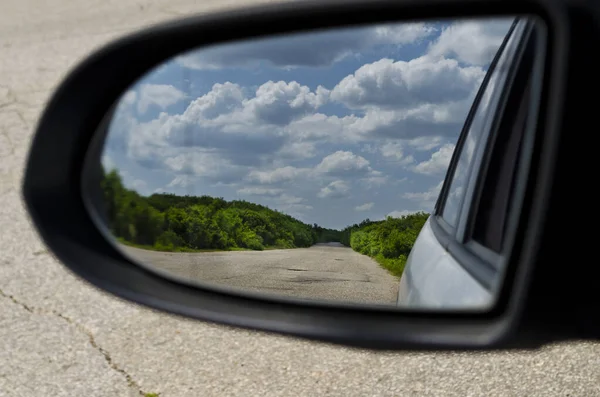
303,166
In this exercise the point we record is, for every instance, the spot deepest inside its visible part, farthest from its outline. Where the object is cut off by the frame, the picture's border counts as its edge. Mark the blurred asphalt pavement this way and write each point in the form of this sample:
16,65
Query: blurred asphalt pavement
62,337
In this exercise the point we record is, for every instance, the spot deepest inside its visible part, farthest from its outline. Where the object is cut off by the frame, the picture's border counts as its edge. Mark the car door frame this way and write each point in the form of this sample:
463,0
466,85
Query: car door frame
481,262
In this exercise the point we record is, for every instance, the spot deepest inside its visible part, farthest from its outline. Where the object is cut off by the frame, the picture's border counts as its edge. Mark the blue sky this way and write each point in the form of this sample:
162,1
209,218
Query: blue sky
331,127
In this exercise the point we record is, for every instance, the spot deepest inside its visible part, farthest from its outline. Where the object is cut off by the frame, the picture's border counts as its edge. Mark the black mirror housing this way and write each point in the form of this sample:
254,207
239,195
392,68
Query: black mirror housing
75,119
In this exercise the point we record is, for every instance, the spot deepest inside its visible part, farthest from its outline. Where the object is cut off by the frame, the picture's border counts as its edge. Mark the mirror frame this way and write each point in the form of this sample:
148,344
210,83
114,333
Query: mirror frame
76,119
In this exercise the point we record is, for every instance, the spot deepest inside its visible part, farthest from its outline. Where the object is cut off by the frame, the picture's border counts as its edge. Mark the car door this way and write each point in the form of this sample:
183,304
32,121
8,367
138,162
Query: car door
457,259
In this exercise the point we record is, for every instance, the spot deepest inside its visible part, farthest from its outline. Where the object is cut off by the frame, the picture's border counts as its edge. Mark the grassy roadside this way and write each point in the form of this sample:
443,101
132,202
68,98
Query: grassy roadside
394,266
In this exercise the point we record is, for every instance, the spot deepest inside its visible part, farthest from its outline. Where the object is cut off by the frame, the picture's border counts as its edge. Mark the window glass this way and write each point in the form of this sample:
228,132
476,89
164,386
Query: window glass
457,189
498,187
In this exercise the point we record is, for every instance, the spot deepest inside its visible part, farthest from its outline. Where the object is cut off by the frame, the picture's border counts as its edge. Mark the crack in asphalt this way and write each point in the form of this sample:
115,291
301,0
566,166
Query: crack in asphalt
81,328
11,145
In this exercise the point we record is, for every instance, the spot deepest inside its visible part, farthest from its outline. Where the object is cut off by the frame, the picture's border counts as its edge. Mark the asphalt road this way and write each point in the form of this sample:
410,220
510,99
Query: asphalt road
62,337
329,272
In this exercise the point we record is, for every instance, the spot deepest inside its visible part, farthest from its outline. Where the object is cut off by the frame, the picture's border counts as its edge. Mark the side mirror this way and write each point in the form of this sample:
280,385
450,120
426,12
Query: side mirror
245,168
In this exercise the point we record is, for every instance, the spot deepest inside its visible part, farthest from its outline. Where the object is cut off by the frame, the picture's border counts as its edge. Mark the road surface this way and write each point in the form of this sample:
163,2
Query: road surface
61,337
323,272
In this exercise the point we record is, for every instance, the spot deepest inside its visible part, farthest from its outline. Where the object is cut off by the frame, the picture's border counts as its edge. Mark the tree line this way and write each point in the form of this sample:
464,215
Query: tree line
168,222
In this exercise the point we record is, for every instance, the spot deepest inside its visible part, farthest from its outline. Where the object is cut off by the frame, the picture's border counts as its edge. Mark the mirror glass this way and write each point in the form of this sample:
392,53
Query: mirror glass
307,166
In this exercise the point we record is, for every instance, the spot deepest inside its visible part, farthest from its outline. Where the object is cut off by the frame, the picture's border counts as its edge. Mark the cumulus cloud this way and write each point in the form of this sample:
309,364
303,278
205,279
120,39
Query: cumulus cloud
182,181
440,121
241,129
375,181
289,199
425,143
280,102
430,194
292,204
128,99
343,163
395,151
364,207
223,98
297,151
473,41
426,199
278,175
307,49
336,189
377,124
203,164
121,125
139,185
259,191
161,95
280,120
438,163
107,162
338,164
322,127
393,84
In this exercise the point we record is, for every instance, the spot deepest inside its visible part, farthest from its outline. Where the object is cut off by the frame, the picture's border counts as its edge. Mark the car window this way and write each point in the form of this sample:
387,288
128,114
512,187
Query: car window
496,196
477,130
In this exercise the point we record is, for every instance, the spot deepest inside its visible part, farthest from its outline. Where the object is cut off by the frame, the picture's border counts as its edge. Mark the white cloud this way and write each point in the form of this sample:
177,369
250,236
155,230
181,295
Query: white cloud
414,124
375,181
121,125
293,205
473,41
364,207
203,164
438,163
318,126
259,191
280,102
400,85
297,151
107,162
283,174
128,99
182,181
336,189
139,185
221,99
430,194
289,199
395,151
162,95
277,124
224,121
425,143
343,162
427,199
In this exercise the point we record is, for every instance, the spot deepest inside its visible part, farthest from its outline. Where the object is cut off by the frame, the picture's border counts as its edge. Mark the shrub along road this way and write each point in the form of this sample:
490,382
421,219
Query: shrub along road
322,272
